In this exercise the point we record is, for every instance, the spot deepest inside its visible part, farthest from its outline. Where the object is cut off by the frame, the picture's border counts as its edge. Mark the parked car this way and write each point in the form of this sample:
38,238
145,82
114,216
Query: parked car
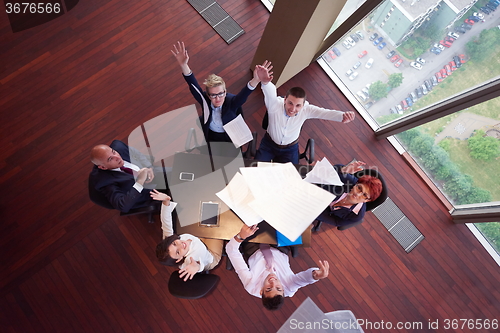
346,45
462,58
373,37
404,104
434,80
362,54
436,50
418,91
350,41
356,65
355,38
398,63
420,61
415,65
461,30
485,10
457,61
362,96
449,39
393,110
474,18
439,46
428,85
453,66
469,22
336,51
360,35
424,89
413,97
439,77
378,40
331,56
453,35
443,73
399,108
369,63
394,58
448,69
409,101
466,26
382,45
349,72
368,105
366,92
445,43
390,54
353,76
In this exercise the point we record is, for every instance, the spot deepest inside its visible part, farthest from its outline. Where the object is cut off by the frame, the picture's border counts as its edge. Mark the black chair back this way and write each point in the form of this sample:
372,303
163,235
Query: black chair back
383,195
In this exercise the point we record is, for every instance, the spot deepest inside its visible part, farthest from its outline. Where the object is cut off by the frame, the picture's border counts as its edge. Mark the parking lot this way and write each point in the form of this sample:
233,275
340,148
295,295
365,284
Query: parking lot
382,67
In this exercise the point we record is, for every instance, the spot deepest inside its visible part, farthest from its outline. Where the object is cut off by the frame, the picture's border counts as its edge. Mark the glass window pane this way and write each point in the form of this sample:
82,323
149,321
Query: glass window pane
415,54
461,153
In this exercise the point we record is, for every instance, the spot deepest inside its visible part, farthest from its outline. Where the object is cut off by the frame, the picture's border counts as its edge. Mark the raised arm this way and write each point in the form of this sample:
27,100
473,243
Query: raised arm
181,55
166,212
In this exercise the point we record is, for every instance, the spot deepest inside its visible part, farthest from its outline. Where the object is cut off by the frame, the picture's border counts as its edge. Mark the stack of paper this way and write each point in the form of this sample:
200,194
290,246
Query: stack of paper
277,195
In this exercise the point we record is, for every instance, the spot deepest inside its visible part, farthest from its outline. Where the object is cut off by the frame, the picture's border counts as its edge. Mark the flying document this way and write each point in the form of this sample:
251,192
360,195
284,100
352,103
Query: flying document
238,131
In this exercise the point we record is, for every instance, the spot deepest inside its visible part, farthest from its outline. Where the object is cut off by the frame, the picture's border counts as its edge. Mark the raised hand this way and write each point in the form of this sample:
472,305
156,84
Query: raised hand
263,72
247,231
322,272
353,167
348,117
190,270
181,55
160,197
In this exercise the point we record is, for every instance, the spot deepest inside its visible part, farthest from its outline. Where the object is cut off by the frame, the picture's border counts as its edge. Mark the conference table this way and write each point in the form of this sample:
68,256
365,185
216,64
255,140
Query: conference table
197,176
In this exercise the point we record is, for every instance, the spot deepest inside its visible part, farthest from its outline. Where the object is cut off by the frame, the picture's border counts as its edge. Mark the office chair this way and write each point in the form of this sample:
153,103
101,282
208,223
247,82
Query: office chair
229,265
309,146
199,286
369,205
99,199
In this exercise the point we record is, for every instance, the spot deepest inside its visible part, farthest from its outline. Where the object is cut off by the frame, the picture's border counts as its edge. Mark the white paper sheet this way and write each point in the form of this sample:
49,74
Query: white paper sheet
238,131
293,207
237,196
323,173
263,181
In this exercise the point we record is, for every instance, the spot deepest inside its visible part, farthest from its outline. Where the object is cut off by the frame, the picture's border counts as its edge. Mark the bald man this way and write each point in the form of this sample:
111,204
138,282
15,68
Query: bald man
117,179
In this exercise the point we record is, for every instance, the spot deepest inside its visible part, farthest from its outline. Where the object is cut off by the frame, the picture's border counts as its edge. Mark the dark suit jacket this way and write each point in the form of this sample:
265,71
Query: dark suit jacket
342,216
230,109
117,187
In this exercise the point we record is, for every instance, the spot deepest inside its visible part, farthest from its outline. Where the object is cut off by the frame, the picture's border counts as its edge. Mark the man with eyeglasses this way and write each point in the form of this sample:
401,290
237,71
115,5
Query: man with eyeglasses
222,106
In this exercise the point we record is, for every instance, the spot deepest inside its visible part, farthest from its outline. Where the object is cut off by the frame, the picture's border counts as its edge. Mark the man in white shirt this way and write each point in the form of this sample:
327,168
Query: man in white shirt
286,117
268,275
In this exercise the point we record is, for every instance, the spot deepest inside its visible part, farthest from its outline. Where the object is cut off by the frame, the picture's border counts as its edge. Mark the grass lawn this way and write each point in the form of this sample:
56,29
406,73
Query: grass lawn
484,173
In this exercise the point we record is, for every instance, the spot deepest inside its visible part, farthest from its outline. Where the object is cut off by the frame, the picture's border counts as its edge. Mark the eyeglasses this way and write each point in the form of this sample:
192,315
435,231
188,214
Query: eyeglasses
359,188
214,96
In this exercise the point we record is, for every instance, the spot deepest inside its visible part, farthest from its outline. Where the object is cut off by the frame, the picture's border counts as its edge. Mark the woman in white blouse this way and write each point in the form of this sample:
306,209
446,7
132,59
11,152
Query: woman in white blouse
190,253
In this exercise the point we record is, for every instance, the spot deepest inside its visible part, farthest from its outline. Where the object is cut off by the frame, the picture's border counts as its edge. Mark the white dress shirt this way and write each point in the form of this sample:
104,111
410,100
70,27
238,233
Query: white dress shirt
253,278
197,249
135,168
284,129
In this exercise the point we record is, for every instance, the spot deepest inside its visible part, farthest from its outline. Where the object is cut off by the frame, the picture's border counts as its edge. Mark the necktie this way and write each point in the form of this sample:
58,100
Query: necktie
268,256
127,170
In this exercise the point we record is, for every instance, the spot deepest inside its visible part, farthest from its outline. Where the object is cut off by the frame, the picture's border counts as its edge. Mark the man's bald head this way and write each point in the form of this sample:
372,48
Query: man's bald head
105,157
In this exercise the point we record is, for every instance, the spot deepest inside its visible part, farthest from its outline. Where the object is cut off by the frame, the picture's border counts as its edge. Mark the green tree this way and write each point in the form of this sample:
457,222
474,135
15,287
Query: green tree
445,144
483,147
481,47
378,90
395,80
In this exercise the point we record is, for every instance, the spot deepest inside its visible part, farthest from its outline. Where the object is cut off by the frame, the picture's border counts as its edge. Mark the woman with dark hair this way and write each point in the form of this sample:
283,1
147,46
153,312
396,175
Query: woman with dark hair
349,206
187,252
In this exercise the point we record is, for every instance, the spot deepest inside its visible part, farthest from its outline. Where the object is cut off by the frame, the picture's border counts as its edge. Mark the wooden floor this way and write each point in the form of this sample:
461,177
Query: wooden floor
103,69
